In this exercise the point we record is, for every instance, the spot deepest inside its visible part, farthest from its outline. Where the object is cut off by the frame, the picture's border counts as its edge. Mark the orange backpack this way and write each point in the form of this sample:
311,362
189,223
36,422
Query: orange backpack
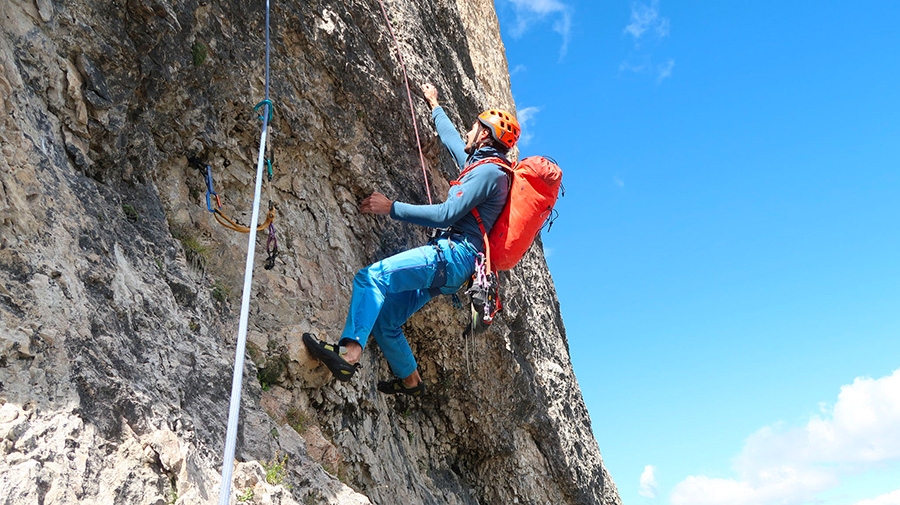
534,186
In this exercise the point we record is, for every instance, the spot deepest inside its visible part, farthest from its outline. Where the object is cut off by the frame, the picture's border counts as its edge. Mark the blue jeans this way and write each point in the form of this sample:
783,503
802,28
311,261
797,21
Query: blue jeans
387,293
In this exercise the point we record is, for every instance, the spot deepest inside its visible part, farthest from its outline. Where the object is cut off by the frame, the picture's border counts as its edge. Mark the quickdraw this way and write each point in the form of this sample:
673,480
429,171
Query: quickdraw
265,116
270,109
210,192
225,220
271,248
485,291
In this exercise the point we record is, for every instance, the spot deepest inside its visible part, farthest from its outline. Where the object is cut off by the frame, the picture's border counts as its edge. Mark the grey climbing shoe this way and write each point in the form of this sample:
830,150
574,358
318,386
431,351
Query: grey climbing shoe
396,386
330,356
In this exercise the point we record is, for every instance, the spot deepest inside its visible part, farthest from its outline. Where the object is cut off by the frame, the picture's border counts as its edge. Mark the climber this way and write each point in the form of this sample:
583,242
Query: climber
386,293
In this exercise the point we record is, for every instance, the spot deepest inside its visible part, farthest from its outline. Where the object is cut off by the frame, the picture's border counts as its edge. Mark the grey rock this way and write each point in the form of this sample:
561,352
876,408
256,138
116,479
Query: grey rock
120,294
93,77
45,9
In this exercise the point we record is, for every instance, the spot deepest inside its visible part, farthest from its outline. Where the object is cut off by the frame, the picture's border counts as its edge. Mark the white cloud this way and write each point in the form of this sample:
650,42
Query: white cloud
792,465
648,482
892,498
646,18
783,485
527,113
531,12
635,65
665,70
526,117
618,181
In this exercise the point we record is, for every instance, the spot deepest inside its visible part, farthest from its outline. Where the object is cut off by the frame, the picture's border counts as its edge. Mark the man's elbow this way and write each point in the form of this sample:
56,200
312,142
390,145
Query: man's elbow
446,217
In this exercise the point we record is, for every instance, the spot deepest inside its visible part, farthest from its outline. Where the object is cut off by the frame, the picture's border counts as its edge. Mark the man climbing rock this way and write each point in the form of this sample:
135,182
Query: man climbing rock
388,292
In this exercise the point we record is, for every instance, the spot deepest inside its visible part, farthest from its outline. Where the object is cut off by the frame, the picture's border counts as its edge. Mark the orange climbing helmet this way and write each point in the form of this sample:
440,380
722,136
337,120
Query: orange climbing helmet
503,126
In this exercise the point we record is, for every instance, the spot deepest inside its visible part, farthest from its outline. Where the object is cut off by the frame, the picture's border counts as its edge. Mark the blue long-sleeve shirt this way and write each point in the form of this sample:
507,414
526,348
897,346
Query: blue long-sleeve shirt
485,188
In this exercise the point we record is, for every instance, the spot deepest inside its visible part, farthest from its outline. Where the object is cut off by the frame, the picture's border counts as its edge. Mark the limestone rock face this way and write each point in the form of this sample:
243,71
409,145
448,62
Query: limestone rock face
120,294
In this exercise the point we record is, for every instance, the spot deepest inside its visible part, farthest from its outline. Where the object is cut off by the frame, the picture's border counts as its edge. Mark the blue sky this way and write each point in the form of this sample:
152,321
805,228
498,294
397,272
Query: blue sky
728,252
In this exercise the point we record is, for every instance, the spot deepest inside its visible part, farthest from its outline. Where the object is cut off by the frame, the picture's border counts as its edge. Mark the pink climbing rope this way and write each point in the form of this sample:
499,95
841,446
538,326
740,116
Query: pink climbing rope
412,109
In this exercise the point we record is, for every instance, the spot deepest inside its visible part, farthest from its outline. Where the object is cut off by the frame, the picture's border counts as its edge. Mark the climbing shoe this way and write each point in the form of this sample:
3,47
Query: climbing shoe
396,386
329,355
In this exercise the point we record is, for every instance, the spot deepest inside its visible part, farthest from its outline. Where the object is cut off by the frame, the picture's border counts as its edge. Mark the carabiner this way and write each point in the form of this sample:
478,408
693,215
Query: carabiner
270,109
210,193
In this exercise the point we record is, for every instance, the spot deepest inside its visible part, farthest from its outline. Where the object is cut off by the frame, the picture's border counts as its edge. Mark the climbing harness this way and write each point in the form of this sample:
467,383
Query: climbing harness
412,109
238,371
440,271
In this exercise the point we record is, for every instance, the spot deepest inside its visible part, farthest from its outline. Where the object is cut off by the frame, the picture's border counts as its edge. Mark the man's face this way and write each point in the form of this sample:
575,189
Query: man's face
474,137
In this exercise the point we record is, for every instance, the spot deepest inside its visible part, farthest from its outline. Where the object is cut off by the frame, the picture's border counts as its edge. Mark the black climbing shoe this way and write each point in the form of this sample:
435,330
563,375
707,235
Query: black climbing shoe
328,354
396,386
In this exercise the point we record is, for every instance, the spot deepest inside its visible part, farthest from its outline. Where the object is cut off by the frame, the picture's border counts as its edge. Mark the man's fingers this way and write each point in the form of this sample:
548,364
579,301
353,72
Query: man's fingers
368,204
429,91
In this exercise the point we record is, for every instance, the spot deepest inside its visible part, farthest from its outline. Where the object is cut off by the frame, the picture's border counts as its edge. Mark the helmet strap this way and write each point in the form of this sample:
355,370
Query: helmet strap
488,138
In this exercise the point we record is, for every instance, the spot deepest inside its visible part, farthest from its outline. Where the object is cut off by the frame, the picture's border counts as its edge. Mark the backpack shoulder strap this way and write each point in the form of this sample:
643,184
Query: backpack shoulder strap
500,162
484,234
507,167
